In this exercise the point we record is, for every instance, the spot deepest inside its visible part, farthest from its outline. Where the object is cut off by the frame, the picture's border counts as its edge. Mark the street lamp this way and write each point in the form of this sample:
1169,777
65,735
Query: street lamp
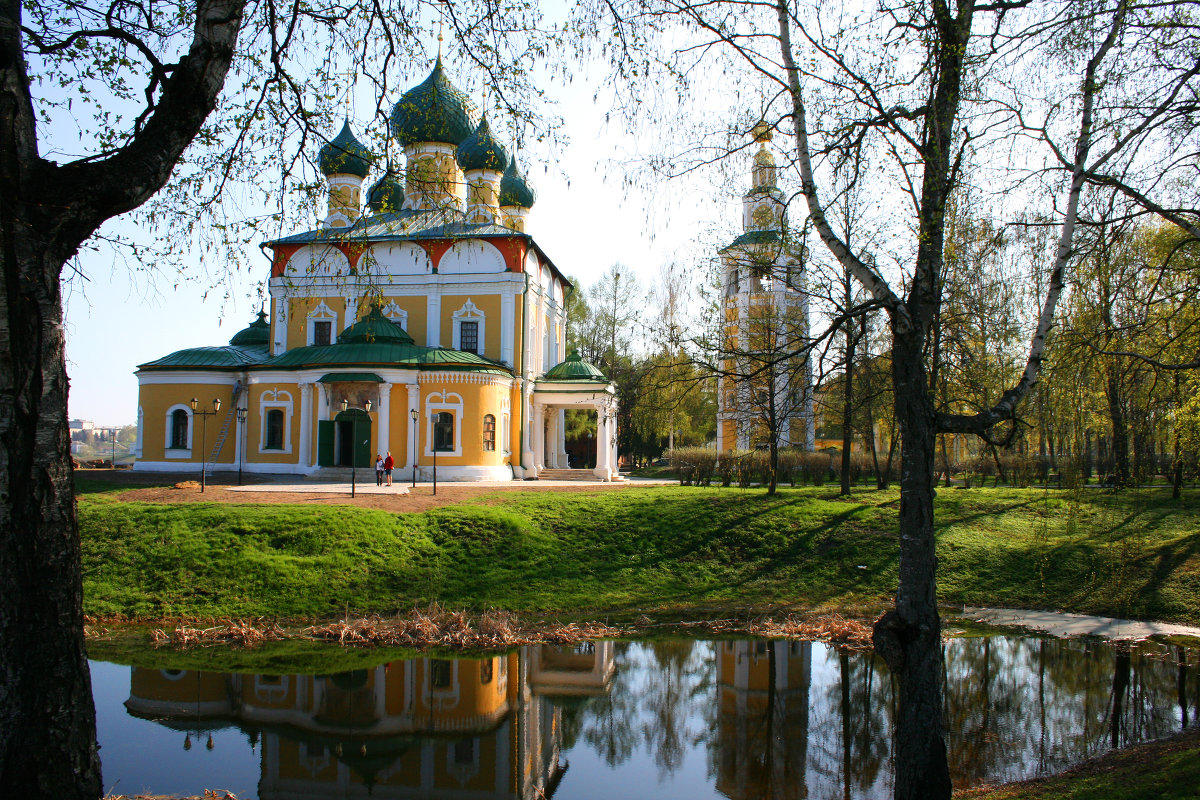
241,418
412,412
204,415
354,442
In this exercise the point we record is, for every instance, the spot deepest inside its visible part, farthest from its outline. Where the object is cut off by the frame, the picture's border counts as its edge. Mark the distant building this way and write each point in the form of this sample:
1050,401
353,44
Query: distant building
767,380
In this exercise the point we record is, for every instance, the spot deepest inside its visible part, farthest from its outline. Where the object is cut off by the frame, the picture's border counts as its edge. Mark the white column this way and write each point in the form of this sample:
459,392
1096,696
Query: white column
306,457
385,417
322,412
614,464
539,436
414,401
507,326
602,451
281,325
527,438
351,315
433,321
561,440
552,439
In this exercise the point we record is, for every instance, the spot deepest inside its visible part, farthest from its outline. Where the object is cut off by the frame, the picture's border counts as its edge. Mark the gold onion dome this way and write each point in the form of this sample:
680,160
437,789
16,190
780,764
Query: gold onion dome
762,132
386,194
480,150
514,190
432,111
345,155
257,334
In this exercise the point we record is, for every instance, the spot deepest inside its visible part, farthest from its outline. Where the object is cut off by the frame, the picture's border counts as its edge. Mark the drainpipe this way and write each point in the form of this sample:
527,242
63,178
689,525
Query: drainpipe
524,361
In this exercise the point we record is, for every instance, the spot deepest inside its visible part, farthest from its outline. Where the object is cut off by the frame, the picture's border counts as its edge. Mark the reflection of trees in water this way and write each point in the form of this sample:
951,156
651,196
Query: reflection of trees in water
674,696
1014,702
607,721
851,727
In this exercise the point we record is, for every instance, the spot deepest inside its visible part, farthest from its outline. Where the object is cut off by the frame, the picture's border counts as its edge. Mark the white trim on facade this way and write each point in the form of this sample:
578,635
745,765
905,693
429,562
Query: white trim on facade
469,312
445,401
269,400
175,452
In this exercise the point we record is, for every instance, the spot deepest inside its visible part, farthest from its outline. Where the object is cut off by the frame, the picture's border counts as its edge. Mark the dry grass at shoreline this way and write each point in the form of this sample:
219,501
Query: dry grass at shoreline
438,627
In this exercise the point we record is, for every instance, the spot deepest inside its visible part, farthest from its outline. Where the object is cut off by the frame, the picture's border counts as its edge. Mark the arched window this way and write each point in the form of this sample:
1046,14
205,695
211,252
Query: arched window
443,432
489,432
179,429
274,429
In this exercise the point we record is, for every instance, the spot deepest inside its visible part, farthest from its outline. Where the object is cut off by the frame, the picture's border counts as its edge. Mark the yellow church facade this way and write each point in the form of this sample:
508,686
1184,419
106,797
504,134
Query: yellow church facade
428,325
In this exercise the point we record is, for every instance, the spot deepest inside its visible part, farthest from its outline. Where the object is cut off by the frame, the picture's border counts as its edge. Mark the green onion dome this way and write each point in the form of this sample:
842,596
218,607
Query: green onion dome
575,369
372,328
387,194
345,155
514,190
480,150
257,334
432,111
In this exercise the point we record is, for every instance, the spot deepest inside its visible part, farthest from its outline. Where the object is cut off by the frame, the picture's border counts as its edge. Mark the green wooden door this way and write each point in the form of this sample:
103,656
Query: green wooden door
325,443
362,442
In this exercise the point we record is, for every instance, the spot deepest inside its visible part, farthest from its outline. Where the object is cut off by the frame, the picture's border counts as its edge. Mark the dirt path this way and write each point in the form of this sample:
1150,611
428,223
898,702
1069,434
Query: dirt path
162,488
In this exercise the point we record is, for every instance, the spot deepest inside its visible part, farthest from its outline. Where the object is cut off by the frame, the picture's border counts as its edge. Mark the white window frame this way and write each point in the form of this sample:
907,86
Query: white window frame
444,401
506,442
322,313
174,452
396,314
469,313
275,399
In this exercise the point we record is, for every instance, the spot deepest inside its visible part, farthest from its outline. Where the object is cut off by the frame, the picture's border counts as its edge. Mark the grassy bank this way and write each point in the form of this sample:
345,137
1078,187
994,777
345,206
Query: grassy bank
669,550
1165,770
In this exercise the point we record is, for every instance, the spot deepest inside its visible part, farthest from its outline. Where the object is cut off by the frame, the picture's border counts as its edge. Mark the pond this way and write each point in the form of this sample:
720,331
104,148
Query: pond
660,718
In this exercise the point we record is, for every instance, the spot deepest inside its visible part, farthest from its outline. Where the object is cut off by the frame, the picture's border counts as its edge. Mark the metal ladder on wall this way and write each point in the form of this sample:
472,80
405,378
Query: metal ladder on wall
238,389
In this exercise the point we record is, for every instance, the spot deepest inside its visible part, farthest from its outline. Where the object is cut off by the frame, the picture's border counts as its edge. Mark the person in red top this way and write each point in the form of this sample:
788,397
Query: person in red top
388,464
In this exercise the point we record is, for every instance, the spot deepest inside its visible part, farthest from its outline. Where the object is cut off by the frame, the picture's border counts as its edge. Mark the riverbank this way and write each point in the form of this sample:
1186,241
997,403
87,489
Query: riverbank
614,554
1168,769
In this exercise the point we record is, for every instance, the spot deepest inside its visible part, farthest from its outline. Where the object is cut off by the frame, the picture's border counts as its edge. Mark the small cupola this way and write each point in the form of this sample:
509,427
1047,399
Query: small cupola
386,194
256,335
483,160
516,197
345,162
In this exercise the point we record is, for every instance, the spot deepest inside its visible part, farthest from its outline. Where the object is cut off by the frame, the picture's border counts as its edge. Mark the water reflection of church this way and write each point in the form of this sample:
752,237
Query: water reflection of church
427,727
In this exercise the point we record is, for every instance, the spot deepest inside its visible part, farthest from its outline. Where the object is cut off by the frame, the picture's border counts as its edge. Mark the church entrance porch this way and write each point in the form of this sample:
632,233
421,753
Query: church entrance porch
345,440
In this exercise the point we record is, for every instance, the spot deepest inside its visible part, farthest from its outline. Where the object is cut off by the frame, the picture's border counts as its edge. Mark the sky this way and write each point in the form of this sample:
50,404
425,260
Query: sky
585,219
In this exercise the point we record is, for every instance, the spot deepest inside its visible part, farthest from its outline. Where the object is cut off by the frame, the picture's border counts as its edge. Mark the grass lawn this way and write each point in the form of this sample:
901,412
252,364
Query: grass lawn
664,550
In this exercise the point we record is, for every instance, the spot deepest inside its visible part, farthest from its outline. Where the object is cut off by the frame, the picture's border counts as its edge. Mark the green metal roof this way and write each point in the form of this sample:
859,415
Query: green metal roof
574,370
381,354
386,194
514,189
374,327
350,377
432,111
257,334
756,237
229,357
481,150
345,155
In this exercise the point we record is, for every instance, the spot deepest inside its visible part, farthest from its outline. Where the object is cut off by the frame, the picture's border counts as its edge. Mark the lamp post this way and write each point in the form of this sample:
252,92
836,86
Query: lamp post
412,412
354,443
241,418
204,415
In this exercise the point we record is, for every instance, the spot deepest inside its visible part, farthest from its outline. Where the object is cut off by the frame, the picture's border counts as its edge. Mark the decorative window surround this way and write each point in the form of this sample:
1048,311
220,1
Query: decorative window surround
469,313
322,313
444,401
275,399
396,314
172,452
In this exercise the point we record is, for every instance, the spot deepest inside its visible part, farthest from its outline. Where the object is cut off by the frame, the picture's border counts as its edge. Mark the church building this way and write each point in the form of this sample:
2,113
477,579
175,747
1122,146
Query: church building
429,324
765,385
